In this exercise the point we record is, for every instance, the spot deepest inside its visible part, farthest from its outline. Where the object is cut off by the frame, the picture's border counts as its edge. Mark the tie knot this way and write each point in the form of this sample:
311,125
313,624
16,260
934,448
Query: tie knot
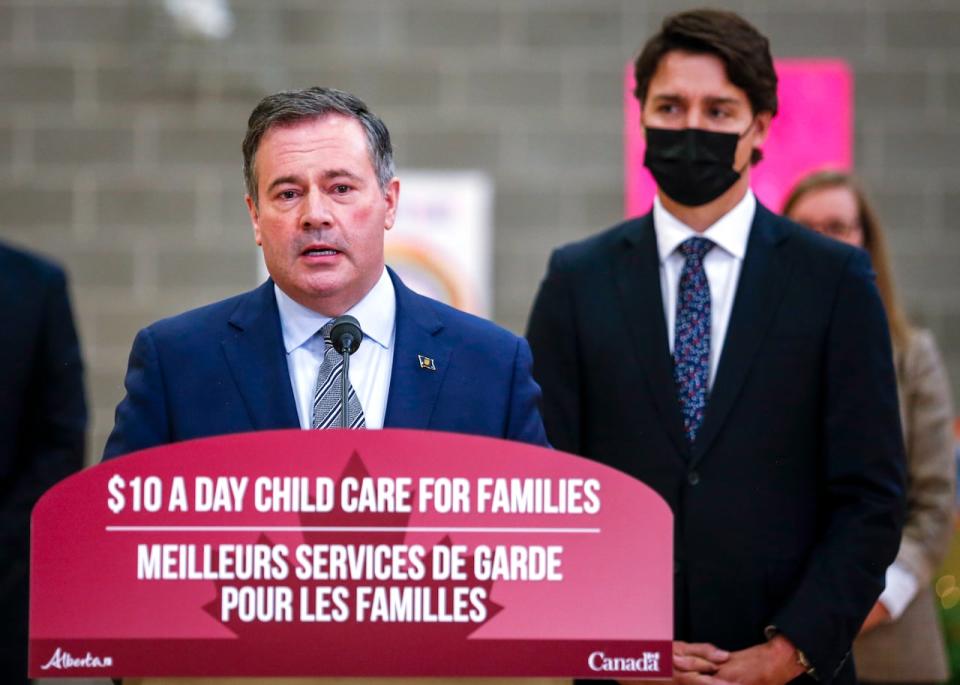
695,247
325,331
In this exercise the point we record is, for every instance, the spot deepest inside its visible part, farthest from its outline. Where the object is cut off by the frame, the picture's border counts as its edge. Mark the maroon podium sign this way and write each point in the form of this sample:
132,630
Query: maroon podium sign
351,553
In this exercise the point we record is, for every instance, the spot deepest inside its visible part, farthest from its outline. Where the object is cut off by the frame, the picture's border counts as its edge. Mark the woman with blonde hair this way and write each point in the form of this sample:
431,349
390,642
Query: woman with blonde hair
901,640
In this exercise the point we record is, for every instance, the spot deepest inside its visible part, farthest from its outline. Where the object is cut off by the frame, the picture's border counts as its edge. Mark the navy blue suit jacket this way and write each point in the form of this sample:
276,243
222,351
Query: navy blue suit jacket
222,369
789,504
43,419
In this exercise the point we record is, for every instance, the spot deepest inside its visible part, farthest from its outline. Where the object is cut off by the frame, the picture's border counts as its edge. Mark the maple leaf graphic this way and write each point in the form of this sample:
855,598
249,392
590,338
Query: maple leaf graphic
333,638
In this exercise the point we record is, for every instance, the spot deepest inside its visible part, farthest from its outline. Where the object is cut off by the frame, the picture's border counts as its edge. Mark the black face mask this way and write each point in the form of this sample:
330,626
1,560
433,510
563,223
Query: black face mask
692,166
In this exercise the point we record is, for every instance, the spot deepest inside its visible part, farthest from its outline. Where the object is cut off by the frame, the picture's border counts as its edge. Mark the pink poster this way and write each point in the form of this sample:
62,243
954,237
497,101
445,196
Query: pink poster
813,130
351,553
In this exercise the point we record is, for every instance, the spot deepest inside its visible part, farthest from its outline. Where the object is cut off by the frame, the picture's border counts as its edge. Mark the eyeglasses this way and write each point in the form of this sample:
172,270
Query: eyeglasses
836,229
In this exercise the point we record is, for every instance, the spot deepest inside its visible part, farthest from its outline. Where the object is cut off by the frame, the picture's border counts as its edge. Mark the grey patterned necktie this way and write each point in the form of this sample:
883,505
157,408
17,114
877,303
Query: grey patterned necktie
326,397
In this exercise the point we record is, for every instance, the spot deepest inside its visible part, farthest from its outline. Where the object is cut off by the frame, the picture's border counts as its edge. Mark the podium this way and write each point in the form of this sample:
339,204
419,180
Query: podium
324,555
346,681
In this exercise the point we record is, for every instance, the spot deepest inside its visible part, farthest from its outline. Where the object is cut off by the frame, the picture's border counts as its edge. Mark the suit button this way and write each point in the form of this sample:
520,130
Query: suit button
693,477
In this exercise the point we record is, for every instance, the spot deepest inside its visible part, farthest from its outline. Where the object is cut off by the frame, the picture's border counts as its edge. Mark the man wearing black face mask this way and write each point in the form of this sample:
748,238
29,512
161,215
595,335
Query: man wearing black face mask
739,365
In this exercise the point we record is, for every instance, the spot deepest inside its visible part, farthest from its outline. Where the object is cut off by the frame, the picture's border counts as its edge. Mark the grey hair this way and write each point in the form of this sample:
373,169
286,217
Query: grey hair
290,106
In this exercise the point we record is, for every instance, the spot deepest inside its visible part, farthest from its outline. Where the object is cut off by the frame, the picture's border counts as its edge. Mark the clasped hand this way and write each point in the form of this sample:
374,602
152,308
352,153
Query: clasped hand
701,663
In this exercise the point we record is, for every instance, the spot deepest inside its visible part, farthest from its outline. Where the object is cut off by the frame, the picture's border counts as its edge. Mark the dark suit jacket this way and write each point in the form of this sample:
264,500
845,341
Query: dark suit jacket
222,369
43,419
788,507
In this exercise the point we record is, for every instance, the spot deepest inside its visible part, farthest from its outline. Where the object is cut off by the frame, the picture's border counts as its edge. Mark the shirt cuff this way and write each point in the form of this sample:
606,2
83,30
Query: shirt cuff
901,588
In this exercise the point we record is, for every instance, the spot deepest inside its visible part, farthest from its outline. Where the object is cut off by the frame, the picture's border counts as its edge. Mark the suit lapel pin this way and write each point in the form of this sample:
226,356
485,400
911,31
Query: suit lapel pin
426,363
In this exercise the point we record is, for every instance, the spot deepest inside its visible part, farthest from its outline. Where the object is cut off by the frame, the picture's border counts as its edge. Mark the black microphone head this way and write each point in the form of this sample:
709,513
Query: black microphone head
345,334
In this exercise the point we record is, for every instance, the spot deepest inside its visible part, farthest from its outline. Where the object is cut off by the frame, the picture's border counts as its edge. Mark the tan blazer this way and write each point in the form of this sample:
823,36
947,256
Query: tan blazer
911,649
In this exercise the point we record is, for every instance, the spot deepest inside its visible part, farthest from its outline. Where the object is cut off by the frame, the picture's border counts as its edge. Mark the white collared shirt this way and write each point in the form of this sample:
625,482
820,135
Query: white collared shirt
371,365
722,266
901,588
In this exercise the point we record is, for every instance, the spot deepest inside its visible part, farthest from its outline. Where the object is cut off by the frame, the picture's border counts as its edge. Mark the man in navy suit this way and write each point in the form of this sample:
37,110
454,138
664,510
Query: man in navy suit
738,364
43,421
321,191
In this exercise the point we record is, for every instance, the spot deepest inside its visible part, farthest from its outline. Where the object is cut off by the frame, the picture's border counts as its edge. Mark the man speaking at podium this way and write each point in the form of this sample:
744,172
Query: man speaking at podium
738,364
321,191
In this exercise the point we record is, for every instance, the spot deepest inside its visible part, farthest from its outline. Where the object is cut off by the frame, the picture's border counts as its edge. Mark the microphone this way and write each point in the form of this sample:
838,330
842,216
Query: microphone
345,336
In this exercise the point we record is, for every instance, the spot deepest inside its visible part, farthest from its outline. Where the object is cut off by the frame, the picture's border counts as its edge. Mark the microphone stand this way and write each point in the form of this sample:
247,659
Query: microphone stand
345,381
346,336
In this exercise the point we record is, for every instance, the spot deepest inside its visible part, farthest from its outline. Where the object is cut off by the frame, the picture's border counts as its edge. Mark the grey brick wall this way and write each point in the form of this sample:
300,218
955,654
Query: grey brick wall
119,137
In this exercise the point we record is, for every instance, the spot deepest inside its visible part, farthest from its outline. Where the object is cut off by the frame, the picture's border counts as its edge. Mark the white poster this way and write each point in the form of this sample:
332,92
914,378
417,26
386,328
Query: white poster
442,242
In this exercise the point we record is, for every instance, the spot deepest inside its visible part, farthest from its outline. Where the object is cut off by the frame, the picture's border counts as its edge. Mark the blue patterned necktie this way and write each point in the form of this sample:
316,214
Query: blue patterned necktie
326,396
691,341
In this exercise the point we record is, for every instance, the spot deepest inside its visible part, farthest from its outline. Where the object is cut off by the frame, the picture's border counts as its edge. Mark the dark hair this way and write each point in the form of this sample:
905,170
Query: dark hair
291,106
744,51
874,241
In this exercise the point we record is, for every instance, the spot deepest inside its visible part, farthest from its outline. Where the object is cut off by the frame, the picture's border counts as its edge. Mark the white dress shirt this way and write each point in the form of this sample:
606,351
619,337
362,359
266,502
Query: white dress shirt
722,265
371,365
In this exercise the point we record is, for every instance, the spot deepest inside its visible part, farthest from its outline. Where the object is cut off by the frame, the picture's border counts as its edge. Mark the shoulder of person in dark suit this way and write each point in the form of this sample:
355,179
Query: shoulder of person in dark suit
818,253
470,329
179,346
485,353
554,333
43,414
588,253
